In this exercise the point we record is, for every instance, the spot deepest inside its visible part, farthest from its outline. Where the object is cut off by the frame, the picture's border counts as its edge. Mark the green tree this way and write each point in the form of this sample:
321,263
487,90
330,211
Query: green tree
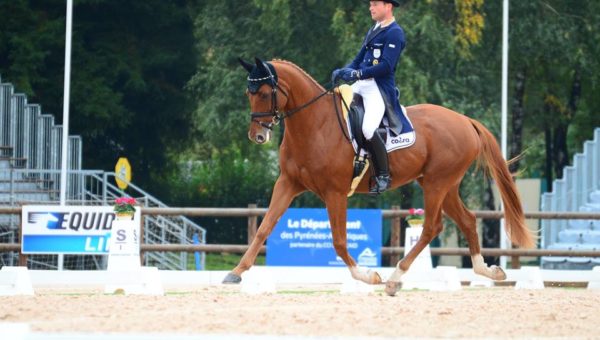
130,62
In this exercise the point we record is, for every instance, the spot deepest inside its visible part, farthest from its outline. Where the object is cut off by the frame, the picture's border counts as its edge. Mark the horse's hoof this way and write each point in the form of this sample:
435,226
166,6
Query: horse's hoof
232,278
498,273
391,287
375,278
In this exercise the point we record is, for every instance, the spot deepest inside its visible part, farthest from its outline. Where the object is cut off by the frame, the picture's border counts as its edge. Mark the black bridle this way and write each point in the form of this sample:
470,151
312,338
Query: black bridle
276,115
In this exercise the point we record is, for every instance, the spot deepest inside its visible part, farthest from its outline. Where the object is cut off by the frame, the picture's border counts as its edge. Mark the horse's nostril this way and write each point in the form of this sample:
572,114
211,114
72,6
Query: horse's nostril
260,138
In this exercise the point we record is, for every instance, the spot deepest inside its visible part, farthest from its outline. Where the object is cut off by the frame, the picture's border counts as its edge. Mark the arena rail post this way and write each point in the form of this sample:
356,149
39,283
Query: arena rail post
22,257
142,253
395,232
515,261
252,223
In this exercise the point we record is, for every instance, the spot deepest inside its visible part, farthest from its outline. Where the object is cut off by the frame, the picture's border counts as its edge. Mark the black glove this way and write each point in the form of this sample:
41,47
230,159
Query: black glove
350,75
335,75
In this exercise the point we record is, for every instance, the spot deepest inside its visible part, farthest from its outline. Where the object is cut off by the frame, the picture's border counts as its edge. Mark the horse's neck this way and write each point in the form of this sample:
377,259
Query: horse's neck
317,118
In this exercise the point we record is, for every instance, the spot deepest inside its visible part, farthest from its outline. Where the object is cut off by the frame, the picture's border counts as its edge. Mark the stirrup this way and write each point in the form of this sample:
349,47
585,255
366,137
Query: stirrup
382,183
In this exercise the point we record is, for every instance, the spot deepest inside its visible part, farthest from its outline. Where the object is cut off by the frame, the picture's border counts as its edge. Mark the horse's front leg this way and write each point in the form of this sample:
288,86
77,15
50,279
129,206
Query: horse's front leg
283,193
336,208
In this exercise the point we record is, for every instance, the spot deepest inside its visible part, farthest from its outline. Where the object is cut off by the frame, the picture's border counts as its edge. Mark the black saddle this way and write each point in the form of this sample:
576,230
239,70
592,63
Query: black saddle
356,115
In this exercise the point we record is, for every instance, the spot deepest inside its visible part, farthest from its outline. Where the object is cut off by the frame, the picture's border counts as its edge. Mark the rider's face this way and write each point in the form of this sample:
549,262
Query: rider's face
379,10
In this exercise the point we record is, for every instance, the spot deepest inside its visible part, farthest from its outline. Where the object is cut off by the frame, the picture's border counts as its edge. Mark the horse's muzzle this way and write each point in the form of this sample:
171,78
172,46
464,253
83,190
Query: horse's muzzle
260,137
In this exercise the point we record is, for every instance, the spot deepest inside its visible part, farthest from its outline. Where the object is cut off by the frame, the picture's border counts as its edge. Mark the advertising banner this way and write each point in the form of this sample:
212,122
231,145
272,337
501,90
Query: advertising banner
302,237
68,229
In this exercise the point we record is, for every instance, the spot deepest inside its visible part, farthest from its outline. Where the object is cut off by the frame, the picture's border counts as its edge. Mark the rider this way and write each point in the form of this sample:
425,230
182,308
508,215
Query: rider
373,70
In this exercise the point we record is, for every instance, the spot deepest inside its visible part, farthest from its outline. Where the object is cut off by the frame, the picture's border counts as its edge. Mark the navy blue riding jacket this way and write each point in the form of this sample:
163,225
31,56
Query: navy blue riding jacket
378,58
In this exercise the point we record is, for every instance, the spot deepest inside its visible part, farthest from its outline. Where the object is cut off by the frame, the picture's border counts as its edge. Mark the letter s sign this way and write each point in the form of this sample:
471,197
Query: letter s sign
121,235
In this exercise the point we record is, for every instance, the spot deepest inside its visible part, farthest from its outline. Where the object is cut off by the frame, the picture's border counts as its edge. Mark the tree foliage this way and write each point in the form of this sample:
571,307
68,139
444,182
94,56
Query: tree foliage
130,62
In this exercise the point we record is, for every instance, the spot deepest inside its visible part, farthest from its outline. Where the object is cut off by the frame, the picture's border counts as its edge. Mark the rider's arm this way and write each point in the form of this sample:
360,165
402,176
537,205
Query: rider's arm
389,58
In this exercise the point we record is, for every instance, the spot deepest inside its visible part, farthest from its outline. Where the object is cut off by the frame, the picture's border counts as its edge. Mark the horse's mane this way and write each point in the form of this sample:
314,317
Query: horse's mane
298,68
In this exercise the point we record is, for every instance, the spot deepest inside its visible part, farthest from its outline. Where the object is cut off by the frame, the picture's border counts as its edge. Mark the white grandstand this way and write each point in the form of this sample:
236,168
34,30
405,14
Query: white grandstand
578,190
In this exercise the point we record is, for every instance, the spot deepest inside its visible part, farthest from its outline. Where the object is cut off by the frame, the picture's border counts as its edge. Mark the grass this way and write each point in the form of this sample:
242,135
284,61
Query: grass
226,261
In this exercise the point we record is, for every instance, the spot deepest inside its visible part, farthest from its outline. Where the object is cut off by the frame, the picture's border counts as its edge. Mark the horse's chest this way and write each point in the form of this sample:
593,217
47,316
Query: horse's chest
316,173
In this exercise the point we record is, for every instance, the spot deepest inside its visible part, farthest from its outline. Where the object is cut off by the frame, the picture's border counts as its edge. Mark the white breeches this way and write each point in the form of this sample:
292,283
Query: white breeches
374,105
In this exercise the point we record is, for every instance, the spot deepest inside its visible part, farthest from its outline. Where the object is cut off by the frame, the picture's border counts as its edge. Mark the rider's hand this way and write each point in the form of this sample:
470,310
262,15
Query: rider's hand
346,74
349,75
335,75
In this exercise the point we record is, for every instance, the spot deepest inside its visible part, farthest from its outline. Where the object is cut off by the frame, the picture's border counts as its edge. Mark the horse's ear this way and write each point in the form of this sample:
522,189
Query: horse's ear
246,65
259,63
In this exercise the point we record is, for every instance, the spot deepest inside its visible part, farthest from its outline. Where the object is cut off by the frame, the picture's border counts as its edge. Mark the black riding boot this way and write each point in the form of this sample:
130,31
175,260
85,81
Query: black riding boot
379,158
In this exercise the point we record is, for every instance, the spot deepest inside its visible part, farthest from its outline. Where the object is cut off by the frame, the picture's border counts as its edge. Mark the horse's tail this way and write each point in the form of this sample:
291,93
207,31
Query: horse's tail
516,229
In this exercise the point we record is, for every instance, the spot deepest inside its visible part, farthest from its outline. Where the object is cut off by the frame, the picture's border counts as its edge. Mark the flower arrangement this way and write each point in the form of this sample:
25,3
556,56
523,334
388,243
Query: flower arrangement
416,215
125,206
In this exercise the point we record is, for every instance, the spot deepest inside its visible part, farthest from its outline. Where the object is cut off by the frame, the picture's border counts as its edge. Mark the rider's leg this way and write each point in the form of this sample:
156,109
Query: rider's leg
374,111
374,105
380,160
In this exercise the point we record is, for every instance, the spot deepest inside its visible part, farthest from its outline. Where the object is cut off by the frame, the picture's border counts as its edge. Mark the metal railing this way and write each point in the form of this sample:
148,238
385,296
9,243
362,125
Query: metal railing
93,187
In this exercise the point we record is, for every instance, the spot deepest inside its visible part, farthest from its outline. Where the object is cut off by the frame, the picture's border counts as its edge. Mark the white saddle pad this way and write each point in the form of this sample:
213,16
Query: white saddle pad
401,141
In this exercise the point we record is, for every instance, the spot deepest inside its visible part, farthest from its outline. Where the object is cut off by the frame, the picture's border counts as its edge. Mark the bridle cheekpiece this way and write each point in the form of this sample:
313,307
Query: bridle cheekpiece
254,84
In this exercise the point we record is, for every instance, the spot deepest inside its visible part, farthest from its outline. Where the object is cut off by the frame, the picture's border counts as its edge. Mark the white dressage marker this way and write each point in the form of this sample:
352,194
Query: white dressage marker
124,246
258,280
141,281
15,281
529,278
423,260
594,282
442,278
124,271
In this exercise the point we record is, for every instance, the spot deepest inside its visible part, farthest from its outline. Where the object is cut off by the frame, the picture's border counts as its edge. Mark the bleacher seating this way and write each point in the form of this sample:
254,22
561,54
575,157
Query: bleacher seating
578,190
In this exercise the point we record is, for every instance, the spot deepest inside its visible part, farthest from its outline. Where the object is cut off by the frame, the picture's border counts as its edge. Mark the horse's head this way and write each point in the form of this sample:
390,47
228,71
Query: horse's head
266,97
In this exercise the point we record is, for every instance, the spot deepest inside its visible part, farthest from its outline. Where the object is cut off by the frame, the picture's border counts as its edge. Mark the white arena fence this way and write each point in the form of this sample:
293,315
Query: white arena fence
395,214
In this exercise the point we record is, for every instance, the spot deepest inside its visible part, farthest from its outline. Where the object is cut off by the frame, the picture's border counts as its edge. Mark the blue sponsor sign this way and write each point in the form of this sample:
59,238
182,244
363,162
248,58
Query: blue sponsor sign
67,244
302,237
67,229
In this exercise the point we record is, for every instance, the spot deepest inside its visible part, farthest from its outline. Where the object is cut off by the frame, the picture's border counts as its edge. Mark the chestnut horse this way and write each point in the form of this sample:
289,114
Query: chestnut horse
316,156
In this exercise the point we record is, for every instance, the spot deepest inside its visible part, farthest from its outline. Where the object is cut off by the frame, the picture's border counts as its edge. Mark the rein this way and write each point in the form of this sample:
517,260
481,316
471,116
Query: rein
279,116
276,114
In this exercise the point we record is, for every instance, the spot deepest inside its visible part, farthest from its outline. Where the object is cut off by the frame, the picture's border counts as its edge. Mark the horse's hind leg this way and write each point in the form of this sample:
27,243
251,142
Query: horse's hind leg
283,193
337,204
465,219
433,193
